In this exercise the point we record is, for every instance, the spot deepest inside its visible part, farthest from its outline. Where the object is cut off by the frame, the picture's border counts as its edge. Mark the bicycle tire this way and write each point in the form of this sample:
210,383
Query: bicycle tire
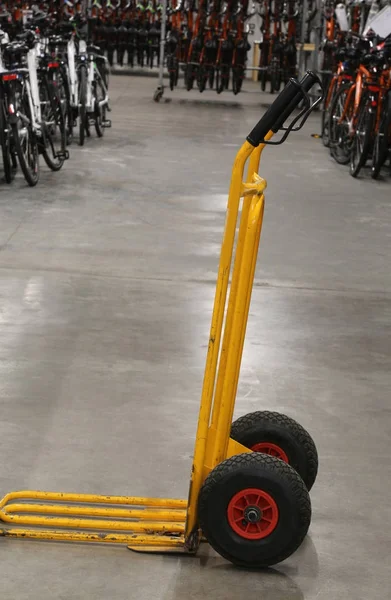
383,140
26,145
176,74
54,157
172,80
276,85
325,116
100,110
202,78
219,85
263,80
5,142
225,74
339,142
275,76
65,98
189,77
211,77
361,143
82,104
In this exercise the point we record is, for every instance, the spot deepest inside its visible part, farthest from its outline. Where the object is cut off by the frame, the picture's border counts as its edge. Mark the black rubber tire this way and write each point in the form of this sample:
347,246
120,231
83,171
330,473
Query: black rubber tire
277,81
237,79
211,77
288,434
325,123
325,128
189,77
172,80
28,156
219,85
82,105
361,147
382,143
65,98
261,472
202,78
339,149
55,163
263,80
99,94
5,143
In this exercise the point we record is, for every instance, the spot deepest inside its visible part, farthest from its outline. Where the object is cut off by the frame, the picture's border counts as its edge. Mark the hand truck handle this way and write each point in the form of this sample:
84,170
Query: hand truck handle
282,107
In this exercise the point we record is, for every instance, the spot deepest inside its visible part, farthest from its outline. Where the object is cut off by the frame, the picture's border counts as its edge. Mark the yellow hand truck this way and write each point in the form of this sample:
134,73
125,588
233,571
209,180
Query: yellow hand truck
250,480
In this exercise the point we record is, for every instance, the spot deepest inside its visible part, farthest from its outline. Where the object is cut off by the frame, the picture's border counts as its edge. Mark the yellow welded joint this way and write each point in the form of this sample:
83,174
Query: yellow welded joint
255,187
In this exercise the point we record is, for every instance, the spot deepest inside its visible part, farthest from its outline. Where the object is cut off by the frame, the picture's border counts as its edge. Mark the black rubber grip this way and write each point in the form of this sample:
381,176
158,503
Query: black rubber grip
306,83
281,108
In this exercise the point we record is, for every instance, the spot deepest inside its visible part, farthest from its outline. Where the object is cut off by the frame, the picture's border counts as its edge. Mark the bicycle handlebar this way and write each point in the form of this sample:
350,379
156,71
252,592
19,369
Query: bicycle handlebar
282,107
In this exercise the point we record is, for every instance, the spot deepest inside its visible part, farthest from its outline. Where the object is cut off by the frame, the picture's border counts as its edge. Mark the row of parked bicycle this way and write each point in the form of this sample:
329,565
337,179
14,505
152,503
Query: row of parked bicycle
356,119
208,39
51,81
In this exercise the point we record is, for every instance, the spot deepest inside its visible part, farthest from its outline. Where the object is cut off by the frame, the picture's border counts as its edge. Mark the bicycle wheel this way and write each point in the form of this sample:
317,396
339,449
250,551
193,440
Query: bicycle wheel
172,66
202,78
275,81
383,139
326,117
65,97
219,84
339,142
6,148
189,77
25,139
99,93
263,80
237,79
53,127
225,73
363,136
82,104
211,77
60,80
172,79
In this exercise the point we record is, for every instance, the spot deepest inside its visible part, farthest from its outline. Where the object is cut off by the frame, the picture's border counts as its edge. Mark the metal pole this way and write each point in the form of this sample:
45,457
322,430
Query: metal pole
302,58
160,89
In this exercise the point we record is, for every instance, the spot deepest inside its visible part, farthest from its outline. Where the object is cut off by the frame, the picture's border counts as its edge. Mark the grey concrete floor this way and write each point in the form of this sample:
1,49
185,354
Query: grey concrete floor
107,274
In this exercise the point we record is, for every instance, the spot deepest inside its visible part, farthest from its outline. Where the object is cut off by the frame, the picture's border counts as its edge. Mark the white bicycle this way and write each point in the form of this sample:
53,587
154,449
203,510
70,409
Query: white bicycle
34,107
89,83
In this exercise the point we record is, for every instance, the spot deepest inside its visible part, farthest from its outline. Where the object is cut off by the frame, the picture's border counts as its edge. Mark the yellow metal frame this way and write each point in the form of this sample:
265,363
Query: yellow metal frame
157,524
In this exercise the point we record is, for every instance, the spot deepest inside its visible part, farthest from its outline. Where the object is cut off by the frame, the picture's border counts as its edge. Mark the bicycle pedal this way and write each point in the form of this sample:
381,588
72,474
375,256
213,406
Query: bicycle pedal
91,121
63,155
106,123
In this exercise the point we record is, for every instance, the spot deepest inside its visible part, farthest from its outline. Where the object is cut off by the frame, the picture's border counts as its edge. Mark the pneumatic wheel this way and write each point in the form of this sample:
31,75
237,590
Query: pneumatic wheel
280,436
254,510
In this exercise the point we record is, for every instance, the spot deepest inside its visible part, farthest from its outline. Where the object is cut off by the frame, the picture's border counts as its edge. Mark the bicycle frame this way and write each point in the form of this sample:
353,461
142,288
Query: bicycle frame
339,77
363,78
382,89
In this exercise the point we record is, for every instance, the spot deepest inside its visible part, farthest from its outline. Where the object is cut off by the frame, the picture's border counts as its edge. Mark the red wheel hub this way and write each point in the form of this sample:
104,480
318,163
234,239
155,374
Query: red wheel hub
252,514
271,449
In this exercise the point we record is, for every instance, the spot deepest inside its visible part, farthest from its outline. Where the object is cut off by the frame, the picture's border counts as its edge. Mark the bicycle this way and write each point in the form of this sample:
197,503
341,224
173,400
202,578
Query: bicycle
35,112
343,76
6,141
92,90
241,48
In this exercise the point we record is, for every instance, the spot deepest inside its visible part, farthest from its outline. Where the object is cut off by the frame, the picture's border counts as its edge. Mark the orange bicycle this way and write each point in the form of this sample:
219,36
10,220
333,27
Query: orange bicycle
345,108
344,75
